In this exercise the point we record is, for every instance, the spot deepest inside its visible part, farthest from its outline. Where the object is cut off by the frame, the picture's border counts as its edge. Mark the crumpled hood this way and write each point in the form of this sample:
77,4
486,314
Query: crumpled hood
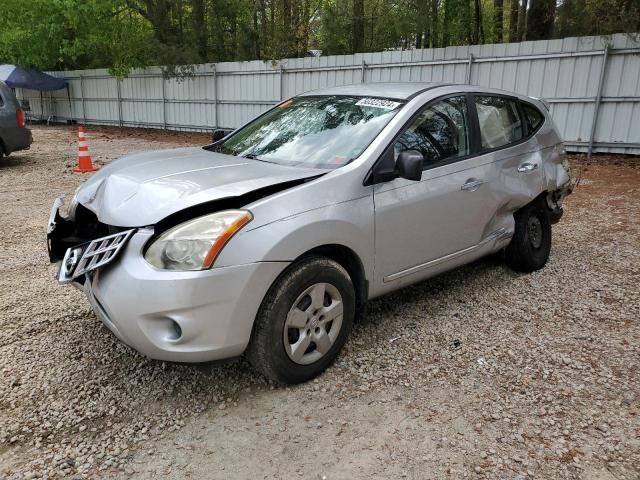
142,189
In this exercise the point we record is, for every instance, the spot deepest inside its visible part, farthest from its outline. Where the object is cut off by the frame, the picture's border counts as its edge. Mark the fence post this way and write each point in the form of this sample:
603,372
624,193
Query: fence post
215,97
596,108
164,101
469,64
84,108
119,103
364,66
281,80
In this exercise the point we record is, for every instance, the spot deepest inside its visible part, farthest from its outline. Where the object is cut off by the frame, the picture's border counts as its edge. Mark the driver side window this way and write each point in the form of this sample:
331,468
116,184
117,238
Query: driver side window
440,132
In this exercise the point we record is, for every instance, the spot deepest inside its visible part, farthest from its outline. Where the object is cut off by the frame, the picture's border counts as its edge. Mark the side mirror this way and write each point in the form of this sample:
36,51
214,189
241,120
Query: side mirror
409,165
220,133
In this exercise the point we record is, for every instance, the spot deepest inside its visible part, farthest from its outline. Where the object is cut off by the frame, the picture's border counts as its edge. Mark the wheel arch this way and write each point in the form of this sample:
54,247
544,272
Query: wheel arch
352,263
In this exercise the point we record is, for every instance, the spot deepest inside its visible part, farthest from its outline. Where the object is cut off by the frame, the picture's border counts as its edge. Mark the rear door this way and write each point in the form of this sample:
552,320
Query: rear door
506,130
426,225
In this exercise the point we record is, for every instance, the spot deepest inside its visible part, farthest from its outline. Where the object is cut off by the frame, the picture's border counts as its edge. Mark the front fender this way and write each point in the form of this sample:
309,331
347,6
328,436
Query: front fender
350,224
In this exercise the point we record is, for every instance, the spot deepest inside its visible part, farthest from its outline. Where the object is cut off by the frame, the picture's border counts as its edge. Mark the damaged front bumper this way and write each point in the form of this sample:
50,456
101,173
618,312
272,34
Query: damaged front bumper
80,257
191,316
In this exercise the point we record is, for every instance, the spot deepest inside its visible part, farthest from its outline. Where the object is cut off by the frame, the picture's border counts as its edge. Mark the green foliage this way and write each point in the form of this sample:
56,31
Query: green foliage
59,34
124,34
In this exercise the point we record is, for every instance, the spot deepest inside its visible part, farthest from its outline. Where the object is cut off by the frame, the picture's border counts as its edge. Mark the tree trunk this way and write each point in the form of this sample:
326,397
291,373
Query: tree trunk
498,19
219,44
422,24
256,34
540,19
478,30
513,21
357,42
200,28
445,23
522,19
433,20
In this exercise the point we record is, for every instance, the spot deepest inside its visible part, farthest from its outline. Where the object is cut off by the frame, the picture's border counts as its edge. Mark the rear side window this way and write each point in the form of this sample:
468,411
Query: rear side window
499,120
532,116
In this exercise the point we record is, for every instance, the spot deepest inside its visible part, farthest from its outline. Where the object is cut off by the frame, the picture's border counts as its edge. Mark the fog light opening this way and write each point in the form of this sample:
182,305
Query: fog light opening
175,331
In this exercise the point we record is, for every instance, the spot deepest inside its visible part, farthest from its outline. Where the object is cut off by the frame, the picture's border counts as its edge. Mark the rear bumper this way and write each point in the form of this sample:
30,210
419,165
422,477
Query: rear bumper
179,316
15,139
555,200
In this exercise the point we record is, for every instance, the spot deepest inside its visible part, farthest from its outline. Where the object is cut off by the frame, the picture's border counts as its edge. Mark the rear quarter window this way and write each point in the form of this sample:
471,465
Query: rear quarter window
533,117
499,121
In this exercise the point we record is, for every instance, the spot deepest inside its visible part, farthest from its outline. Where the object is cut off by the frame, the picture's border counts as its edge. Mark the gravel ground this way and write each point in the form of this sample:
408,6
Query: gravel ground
479,373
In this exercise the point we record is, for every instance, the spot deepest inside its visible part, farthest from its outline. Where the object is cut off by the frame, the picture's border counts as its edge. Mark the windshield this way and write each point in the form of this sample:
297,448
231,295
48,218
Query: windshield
317,132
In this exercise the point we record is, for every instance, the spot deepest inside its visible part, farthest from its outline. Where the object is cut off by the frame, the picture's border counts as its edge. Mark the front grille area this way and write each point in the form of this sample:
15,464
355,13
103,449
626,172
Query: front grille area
84,258
101,251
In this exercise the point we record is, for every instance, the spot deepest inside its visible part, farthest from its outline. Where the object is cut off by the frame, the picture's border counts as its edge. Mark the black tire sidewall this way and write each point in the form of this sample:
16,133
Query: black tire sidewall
521,255
269,332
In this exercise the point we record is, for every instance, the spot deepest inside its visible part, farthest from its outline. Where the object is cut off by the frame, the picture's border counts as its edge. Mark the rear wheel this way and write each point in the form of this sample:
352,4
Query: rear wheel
531,243
303,322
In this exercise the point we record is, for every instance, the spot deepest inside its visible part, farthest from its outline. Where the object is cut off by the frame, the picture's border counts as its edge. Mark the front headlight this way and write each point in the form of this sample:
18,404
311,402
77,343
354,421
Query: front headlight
194,245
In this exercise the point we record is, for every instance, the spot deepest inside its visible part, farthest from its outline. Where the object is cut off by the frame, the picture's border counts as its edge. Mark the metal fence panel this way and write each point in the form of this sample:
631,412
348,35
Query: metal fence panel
581,82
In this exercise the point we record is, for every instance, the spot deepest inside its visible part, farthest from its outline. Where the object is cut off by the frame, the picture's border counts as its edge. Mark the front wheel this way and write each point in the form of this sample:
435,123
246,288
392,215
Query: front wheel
303,322
531,243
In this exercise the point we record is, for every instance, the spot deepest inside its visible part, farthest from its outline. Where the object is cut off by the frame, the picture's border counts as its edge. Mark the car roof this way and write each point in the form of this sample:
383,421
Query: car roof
408,90
397,90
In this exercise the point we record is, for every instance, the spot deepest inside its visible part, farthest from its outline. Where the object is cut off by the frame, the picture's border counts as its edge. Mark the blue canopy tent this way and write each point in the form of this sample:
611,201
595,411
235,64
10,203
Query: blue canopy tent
18,77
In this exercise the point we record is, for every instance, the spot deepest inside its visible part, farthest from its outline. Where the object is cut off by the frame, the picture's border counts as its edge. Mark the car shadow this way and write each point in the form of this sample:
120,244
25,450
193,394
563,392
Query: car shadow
15,160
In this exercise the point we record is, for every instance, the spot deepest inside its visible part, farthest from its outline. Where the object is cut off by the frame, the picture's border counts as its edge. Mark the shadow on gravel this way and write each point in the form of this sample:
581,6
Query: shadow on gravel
428,291
14,160
222,378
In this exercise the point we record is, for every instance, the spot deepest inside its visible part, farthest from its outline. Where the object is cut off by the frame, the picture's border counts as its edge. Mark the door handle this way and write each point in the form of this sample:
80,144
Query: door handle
528,167
471,185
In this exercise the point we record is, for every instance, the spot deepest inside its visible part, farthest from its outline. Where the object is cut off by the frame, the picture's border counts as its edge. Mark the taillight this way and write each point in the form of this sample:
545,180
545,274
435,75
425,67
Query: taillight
20,118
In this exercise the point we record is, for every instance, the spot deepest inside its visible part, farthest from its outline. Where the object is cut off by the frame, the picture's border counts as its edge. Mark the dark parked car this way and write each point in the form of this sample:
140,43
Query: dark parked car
13,133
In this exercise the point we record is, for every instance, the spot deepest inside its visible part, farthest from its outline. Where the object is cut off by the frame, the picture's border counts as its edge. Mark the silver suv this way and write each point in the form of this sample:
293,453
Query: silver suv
270,241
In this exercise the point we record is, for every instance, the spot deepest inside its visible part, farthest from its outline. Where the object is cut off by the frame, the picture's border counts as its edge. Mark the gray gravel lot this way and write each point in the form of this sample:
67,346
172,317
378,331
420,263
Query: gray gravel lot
479,373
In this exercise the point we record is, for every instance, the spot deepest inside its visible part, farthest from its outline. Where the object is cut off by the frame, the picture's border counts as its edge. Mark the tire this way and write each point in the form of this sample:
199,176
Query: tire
531,243
292,317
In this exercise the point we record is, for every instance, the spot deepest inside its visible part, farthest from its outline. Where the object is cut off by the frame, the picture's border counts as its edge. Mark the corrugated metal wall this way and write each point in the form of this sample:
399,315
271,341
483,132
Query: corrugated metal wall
574,75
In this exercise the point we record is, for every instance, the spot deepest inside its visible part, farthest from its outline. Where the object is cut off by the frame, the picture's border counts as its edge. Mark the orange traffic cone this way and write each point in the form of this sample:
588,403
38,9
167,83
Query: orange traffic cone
84,159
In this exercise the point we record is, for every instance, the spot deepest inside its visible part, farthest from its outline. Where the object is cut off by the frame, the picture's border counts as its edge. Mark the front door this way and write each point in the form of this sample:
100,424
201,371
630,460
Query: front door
421,225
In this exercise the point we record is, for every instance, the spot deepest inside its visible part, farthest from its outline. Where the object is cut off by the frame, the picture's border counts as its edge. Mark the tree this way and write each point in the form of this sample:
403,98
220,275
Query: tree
59,34
540,19
522,19
513,21
423,24
478,30
358,26
498,20
123,34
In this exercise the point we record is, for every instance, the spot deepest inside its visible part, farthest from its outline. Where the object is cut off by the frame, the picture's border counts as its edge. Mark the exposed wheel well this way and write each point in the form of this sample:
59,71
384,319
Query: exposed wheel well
352,263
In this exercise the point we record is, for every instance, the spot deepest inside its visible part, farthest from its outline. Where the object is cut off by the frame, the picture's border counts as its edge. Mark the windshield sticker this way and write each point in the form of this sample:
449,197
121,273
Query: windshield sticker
378,103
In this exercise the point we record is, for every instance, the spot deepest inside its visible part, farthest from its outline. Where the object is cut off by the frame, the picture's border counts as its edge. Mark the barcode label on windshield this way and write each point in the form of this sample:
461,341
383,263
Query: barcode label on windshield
378,103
